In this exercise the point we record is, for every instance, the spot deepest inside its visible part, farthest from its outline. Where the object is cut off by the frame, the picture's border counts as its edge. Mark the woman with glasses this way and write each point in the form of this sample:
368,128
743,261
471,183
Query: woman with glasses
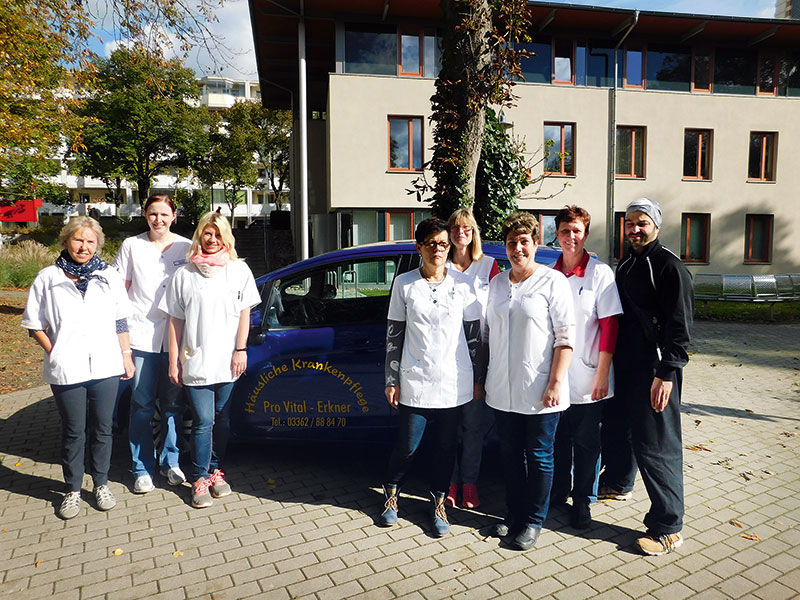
433,366
467,257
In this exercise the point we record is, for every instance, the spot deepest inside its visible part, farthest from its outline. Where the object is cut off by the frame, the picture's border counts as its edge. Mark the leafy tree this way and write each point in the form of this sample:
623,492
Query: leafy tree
273,147
28,175
192,203
141,120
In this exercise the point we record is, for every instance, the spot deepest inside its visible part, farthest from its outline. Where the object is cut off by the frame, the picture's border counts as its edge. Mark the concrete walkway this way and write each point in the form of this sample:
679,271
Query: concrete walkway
300,523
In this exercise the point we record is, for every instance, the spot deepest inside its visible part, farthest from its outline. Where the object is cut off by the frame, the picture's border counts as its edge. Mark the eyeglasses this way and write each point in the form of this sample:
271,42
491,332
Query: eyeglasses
464,228
433,245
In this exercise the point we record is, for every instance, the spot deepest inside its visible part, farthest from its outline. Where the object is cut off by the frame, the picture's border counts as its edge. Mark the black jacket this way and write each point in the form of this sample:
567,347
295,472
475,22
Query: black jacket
658,303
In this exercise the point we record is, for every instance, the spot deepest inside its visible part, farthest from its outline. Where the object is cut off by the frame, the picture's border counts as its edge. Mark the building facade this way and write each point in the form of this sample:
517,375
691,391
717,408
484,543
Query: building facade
700,113
787,9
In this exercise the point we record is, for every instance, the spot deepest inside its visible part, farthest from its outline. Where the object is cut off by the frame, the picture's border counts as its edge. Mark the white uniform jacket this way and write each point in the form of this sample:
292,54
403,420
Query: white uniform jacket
595,297
479,270
527,321
82,328
148,269
210,308
435,368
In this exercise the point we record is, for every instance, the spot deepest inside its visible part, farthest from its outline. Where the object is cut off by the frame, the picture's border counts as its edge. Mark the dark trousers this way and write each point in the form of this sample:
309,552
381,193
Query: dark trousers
526,445
443,425
86,405
618,461
577,453
657,445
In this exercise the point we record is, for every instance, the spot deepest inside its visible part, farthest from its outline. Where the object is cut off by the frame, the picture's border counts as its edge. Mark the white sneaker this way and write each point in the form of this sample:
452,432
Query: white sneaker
143,484
104,498
70,505
174,475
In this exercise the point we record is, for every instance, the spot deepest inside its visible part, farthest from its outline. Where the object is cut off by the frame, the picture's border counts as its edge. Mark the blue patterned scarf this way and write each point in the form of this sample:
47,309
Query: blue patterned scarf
83,272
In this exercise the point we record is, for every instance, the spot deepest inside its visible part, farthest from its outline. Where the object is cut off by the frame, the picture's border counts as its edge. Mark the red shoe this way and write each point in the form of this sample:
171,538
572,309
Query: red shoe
451,496
470,496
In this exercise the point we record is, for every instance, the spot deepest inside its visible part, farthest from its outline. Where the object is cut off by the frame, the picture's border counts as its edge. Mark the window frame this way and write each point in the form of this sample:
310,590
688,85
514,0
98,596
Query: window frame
686,235
695,51
420,35
409,119
709,153
555,81
776,62
562,151
633,174
750,219
619,236
388,222
635,47
767,137
540,215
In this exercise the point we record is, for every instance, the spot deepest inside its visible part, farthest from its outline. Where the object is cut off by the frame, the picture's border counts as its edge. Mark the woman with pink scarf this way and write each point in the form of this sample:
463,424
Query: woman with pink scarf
209,303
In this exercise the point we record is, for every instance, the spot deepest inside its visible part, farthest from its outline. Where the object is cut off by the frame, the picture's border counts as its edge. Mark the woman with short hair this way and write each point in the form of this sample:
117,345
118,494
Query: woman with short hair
77,312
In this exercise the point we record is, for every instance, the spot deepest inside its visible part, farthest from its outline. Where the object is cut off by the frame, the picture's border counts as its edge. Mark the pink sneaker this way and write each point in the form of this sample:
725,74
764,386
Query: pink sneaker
451,496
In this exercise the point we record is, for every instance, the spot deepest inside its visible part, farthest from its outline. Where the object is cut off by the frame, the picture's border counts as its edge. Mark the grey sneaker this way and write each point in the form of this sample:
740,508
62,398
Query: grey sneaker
104,498
70,505
174,475
200,496
219,487
143,484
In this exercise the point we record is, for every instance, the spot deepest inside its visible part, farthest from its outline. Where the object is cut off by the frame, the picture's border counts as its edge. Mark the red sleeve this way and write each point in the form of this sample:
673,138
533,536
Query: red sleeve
495,270
609,327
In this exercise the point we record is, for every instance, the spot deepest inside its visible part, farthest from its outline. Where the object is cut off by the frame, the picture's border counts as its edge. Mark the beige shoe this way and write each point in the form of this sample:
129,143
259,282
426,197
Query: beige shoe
658,545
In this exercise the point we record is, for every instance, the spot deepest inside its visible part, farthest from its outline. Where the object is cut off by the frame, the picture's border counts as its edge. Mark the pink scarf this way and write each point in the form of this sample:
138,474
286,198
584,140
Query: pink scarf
218,259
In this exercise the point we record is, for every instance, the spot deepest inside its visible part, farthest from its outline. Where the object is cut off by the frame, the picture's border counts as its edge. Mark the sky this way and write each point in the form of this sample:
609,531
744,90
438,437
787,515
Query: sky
233,27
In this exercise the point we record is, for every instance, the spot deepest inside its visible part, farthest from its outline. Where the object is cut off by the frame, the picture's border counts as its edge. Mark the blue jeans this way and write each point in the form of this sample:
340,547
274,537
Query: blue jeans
151,381
211,426
86,405
475,417
577,453
526,445
413,423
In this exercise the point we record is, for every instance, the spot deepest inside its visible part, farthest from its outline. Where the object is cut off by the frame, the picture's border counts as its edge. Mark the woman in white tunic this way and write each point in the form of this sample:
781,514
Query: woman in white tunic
591,380
209,302
146,262
77,312
531,335
466,256
432,365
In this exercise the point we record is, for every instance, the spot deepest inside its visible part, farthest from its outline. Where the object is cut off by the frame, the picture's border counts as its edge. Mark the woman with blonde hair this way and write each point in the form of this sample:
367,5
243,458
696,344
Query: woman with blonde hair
466,255
77,312
209,303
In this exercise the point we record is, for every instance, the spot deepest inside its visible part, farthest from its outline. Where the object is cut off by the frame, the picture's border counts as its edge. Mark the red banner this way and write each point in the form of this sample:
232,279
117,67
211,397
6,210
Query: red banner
22,211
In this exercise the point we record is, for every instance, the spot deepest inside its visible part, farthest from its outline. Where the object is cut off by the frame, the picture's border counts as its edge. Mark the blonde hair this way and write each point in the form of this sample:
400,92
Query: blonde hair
221,223
464,216
76,224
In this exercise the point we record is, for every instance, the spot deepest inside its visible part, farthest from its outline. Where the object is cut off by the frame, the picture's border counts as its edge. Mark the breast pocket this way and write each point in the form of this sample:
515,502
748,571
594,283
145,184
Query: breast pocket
586,302
534,306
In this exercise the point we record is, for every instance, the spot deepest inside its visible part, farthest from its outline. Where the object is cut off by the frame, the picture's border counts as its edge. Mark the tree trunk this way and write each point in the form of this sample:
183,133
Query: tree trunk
143,185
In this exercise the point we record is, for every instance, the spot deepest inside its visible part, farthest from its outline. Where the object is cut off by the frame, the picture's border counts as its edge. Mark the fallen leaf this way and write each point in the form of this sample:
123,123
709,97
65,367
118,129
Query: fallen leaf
788,434
735,522
744,454
751,536
748,410
767,472
698,447
19,464
697,422
713,364
37,563
177,554
118,551
461,570
748,475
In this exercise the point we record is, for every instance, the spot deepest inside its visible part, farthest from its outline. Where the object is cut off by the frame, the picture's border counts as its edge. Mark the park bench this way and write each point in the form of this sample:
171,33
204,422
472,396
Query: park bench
768,289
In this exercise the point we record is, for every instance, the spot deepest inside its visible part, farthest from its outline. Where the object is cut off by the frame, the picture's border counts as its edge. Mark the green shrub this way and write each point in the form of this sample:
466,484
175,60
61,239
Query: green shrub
19,263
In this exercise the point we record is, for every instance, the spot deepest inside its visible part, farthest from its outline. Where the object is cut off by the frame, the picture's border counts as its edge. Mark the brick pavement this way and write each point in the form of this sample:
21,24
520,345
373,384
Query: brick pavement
300,523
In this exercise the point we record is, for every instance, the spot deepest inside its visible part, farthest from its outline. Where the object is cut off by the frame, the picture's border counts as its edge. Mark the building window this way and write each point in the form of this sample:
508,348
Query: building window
405,143
410,51
370,49
630,151
702,69
634,67
697,154
668,68
619,235
538,67
559,148
547,227
761,162
768,73
695,228
564,61
758,238
734,71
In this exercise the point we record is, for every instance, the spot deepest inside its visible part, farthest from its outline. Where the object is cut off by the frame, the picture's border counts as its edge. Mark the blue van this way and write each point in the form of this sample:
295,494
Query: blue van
317,346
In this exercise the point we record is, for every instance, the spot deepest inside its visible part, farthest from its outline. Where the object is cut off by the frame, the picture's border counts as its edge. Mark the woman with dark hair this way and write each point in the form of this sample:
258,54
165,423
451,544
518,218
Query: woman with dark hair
466,255
433,366
531,335
209,302
146,262
77,312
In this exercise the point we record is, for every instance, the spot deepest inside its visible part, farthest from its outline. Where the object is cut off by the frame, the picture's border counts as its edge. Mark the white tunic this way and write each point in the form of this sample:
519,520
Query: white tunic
595,297
210,308
479,270
527,320
148,269
435,369
82,328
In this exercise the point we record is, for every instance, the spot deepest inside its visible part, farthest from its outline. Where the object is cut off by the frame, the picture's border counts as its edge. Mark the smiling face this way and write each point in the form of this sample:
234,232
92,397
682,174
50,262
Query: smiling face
521,251
159,217
82,245
434,249
461,235
640,230
572,237
211,240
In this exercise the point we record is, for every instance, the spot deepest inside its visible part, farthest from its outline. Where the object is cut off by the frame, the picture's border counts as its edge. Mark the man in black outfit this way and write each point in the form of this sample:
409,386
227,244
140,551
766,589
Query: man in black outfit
644,421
